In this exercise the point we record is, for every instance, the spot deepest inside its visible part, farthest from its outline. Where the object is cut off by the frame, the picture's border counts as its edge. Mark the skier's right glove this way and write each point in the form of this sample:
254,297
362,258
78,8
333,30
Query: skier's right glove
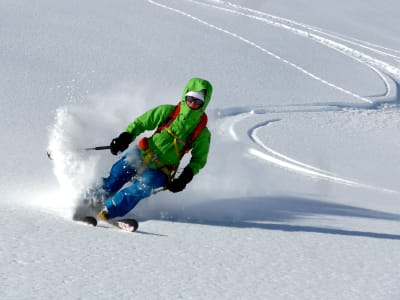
179,184
121,142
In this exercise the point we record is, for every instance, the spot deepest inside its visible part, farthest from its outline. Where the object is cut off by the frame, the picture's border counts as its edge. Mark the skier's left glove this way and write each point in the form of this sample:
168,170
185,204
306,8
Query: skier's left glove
121,142
179,184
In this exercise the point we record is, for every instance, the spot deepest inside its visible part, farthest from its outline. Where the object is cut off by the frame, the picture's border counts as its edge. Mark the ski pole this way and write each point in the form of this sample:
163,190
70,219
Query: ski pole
156,191
84,149
98,148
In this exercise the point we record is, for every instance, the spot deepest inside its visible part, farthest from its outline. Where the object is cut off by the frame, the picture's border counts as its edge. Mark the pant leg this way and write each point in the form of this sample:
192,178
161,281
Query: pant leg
126,199
122,171
92,200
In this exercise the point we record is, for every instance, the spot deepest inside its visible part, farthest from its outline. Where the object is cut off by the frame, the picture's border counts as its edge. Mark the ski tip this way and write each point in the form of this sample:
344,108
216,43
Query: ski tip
87,220
130,225
135,225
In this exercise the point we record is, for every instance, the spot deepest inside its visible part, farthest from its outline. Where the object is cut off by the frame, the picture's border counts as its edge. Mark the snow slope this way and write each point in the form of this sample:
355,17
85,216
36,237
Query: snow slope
300,197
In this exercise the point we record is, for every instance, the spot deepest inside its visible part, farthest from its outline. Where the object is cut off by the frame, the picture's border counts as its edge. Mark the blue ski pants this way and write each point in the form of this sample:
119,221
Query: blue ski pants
121,201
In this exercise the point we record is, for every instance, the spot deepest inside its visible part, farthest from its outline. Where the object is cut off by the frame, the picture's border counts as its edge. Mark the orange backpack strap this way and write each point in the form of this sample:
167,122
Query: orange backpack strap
168,121
196,132
143,143
193,136
171,117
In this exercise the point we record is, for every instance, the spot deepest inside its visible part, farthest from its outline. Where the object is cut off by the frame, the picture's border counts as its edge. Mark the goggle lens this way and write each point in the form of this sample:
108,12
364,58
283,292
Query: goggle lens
192,99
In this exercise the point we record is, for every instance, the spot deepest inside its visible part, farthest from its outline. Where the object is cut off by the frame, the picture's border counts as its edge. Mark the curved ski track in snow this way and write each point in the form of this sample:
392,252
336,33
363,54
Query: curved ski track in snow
386,72
306,31
255,45
280,159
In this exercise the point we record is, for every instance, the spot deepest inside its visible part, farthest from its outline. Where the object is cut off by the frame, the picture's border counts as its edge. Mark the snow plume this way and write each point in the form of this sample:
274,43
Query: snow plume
79,126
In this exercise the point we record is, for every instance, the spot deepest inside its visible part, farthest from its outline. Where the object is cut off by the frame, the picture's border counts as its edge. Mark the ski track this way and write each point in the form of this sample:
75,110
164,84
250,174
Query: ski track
307,33
279,159
252,133
386,72
264,50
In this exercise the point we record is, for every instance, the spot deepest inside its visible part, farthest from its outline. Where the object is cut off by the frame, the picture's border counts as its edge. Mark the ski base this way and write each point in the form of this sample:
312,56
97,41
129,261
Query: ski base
88,220
130,225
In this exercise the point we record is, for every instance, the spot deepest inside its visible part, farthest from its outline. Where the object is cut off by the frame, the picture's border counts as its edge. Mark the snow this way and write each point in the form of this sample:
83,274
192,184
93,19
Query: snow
300,196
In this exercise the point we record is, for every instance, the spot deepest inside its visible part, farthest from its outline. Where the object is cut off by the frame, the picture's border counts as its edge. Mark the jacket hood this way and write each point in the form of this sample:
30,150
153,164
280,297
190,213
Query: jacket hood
188,118
197,85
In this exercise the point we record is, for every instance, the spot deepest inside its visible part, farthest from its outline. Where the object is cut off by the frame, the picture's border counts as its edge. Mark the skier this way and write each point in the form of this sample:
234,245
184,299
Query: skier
153,162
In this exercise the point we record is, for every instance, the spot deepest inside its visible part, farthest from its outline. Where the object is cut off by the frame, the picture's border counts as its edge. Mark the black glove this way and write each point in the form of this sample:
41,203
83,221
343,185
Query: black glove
178,184
120,143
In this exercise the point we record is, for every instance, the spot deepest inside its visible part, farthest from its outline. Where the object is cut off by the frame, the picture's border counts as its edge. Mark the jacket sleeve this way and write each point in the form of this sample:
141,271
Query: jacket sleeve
150,120
199,152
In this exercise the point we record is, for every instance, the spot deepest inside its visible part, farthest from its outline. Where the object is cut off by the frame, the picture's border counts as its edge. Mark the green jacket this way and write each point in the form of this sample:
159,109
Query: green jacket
162,143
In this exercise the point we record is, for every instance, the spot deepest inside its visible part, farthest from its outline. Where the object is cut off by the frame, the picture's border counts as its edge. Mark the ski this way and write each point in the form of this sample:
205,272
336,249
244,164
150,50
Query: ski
86,212
130,225
88,220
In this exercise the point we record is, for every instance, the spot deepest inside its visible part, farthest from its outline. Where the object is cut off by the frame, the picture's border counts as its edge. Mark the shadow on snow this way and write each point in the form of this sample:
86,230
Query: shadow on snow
260,212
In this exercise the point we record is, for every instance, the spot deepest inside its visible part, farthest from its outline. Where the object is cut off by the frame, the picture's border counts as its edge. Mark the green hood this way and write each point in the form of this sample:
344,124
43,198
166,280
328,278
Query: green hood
188,118
197,85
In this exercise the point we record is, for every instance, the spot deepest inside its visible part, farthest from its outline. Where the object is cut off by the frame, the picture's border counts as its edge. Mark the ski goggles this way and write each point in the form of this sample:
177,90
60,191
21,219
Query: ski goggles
192,99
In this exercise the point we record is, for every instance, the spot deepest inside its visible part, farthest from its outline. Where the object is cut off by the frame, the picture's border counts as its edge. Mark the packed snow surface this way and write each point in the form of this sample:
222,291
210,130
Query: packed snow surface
300,198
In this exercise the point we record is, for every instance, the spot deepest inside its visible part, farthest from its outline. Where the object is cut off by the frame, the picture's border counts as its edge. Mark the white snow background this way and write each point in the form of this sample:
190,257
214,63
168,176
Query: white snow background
300,198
